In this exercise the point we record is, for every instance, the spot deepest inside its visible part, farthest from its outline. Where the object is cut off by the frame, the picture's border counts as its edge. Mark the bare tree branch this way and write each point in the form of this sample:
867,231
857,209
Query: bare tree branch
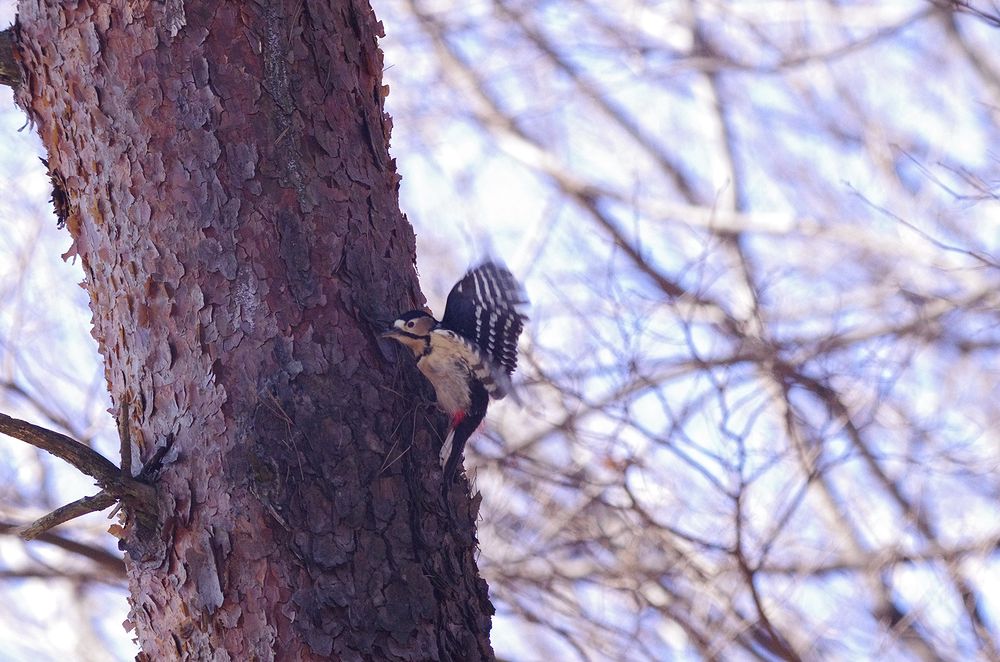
78,508
117,485
87,460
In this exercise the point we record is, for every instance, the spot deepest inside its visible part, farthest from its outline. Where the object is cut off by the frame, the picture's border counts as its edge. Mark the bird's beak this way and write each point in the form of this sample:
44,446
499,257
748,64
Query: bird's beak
389,333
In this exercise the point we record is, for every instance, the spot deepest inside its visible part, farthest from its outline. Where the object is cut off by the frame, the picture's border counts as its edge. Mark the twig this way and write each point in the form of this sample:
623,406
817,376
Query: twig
78,508
10,75
118,484
66,448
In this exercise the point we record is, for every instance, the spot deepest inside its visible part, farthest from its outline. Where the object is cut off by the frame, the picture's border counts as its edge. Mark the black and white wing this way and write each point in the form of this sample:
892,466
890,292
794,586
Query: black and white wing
488,306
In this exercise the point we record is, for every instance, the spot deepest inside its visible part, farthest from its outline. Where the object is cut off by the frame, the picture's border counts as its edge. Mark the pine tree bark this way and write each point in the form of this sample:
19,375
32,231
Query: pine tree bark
230,196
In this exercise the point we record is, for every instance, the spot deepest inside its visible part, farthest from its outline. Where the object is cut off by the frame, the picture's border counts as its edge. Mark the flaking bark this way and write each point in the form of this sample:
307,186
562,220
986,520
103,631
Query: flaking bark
234,208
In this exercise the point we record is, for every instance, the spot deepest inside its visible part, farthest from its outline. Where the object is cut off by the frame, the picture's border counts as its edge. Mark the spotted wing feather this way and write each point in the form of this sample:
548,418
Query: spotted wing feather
488,307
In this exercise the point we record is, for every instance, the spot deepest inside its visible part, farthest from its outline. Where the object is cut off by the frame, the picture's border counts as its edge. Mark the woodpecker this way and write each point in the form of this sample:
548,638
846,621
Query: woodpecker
469,355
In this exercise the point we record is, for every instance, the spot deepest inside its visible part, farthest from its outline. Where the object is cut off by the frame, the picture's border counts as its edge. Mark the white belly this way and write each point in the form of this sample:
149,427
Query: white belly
447,369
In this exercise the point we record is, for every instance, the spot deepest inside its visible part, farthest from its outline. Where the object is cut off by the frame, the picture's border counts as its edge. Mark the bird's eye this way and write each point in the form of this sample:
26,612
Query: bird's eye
410,324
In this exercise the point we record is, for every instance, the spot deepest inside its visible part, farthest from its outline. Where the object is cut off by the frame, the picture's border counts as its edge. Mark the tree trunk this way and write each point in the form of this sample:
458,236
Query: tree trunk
232,202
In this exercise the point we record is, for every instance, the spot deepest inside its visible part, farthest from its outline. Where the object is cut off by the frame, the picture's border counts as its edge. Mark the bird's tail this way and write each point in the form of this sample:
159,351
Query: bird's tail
463,424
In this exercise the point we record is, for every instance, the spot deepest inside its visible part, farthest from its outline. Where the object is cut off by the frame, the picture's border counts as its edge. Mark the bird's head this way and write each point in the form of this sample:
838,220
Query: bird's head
412,329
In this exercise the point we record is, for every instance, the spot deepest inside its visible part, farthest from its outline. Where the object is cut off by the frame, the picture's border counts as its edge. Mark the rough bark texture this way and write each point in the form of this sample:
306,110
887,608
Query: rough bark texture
234,207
